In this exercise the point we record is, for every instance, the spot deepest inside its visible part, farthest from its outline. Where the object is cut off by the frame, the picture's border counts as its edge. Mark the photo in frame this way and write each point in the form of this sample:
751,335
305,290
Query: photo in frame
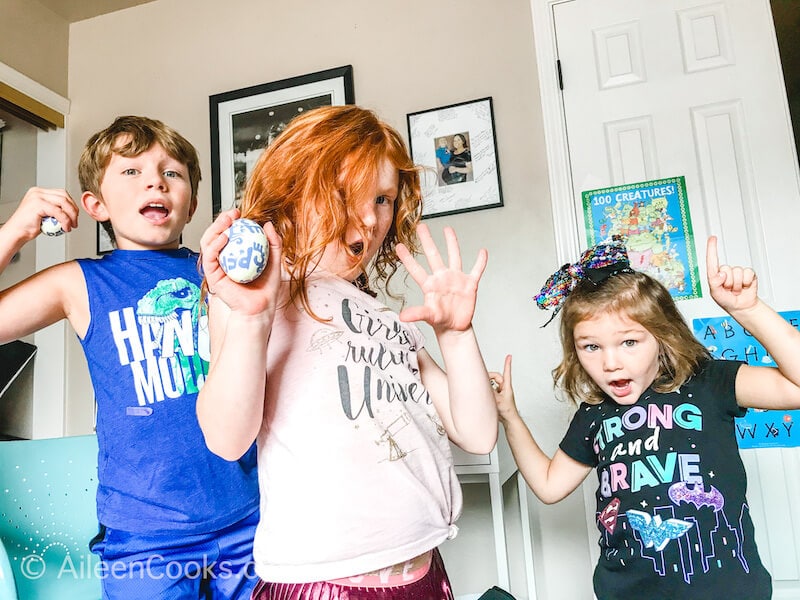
457,148
245,121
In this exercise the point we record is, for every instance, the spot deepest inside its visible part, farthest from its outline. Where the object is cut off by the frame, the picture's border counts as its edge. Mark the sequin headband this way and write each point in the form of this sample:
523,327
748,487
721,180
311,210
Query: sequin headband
596,264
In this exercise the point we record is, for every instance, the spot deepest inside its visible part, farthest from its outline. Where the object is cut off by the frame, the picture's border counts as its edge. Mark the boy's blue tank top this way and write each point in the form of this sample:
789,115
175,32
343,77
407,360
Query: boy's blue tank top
147,349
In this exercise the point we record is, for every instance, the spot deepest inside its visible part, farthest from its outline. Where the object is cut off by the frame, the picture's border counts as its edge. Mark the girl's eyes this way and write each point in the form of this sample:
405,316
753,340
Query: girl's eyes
595,347
383,200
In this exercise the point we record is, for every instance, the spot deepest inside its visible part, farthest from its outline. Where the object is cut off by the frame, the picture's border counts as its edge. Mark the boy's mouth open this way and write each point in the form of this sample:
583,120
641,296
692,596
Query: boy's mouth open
357,248
154,212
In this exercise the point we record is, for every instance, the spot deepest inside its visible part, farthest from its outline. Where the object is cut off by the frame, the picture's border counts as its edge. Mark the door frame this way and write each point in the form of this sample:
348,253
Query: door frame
49,411
565,217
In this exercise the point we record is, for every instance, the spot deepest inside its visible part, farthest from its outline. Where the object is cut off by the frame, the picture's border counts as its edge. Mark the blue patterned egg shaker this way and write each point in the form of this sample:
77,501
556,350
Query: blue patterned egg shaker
245,255
51,226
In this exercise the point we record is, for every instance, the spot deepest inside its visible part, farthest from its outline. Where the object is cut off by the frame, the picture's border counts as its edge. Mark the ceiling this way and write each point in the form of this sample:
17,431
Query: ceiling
78,10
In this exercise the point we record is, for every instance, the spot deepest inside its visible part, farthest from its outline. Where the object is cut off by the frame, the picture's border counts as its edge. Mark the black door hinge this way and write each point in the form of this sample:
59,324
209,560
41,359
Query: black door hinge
560,77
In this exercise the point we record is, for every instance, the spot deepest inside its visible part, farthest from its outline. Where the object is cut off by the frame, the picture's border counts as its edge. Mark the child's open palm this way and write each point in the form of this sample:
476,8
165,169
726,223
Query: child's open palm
449,293
733,288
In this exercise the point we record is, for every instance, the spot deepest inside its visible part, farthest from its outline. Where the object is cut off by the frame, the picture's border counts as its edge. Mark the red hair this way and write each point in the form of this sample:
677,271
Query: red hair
321,164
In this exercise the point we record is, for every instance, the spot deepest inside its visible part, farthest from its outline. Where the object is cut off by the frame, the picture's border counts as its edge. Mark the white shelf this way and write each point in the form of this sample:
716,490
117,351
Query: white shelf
495,469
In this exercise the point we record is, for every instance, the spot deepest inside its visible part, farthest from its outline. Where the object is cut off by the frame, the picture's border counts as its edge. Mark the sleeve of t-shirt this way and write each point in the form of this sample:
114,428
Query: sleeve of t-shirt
577,442
721,376
416,336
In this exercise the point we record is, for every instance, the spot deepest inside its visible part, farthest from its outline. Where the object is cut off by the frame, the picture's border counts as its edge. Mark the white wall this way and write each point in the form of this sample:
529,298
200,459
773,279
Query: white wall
165,58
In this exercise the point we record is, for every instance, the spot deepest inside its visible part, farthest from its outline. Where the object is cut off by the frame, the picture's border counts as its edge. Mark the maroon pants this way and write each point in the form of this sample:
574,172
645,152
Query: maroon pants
434,586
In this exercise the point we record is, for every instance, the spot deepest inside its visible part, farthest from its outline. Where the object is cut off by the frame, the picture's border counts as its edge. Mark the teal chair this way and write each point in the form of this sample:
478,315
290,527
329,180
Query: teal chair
47,517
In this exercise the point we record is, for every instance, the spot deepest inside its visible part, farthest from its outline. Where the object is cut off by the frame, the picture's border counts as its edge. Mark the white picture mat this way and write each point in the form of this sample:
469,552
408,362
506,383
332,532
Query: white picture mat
474,118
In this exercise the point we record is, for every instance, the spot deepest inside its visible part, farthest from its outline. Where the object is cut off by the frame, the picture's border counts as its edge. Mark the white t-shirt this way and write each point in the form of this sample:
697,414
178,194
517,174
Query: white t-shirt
355,468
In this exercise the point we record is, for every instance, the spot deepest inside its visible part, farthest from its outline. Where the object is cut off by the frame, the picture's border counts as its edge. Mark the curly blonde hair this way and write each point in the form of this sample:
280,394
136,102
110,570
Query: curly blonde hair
642,299
322,164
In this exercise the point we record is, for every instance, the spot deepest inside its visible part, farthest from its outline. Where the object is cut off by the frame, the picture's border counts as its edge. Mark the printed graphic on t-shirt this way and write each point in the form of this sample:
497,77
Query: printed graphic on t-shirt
679,521
164,341
373,373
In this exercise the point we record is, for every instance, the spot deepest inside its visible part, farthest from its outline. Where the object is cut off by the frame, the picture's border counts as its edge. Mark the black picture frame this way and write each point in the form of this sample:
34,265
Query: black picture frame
104,243
460,185
245,121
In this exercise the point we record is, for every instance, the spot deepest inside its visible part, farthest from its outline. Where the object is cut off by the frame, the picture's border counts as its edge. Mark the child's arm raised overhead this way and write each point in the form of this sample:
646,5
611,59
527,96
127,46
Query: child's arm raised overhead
461,394
52,294
230,406
550,479
735,289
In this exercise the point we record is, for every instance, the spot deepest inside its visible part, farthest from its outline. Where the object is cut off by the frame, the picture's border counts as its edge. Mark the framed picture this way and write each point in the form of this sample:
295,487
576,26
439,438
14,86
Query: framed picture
104,243
245,121
456,146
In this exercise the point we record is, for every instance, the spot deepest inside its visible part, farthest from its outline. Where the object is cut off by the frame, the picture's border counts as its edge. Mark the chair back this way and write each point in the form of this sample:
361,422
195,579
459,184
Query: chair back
48,516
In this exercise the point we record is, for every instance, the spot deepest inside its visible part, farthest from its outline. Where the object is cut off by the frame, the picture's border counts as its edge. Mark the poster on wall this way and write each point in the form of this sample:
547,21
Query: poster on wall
652,218
728,340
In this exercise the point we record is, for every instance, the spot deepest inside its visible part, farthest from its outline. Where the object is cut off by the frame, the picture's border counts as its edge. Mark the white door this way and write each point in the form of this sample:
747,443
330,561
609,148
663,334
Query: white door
657,89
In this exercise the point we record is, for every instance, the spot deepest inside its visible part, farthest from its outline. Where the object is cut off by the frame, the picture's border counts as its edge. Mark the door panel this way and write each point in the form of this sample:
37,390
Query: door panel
678,87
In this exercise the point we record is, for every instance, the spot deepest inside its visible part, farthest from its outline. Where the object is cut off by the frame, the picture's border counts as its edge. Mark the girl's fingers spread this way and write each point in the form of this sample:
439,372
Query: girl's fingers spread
414,269
453,251
413,314
480,264
429,247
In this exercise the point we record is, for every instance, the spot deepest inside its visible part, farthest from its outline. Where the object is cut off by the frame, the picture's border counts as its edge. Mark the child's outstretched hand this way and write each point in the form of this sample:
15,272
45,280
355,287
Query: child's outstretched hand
43,202
252,298
504,392
733,288
450,294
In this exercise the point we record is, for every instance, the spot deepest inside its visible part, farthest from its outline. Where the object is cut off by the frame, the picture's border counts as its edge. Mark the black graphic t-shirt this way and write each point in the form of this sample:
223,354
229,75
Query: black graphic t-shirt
671,507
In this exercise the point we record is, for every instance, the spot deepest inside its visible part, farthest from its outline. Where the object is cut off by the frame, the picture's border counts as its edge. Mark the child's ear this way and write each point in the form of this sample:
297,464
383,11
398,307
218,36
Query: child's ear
192,209
95,206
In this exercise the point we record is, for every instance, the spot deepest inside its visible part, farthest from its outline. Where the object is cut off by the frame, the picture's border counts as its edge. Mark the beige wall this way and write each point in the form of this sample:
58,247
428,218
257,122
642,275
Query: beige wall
165,58
34,41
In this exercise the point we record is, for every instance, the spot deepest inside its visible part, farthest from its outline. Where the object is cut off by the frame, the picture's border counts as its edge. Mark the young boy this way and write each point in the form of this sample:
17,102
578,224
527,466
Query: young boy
176,521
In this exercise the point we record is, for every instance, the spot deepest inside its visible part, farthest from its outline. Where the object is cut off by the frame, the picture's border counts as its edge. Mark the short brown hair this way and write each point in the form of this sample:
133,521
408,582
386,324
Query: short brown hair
642,299
320,165
130,136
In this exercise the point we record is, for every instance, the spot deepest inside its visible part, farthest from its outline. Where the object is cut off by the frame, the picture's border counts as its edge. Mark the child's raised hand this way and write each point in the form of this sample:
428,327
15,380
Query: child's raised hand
504,392
449,293
43,202
251,298
733,288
